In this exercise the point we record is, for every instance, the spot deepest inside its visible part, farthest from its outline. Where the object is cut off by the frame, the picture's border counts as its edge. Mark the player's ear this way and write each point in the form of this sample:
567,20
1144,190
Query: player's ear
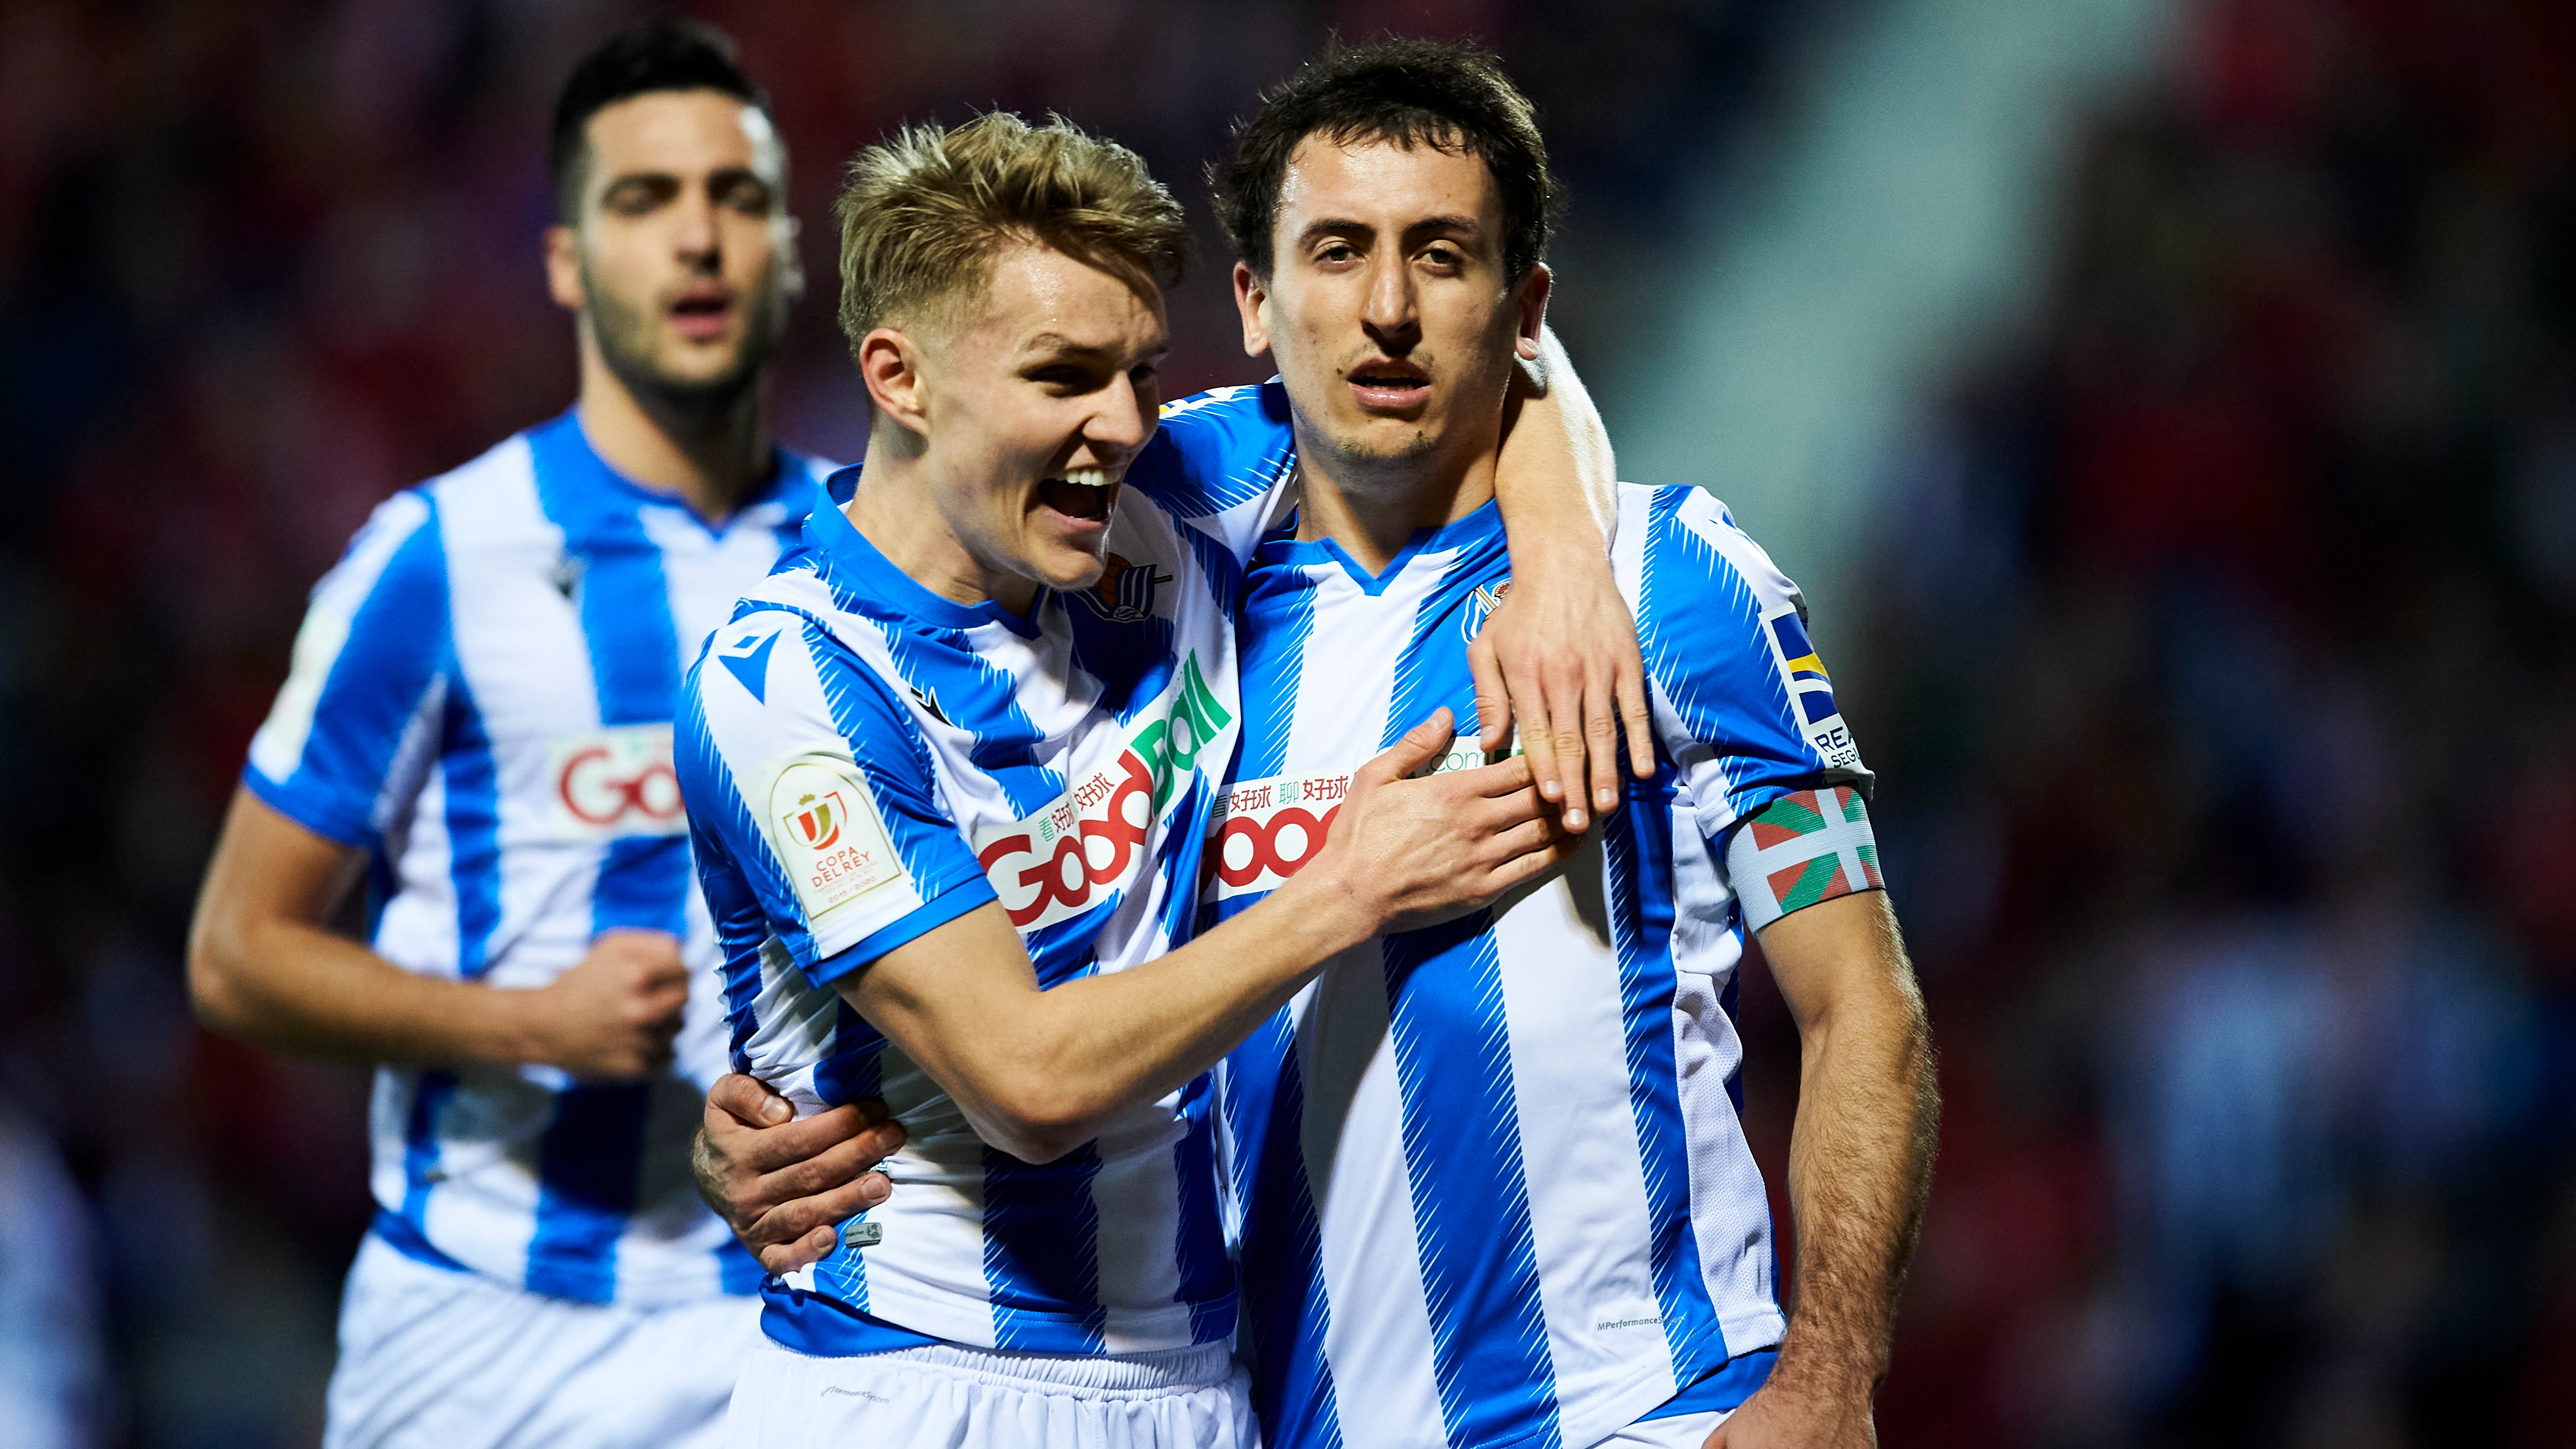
1252,299
563,267
890,364
1529,299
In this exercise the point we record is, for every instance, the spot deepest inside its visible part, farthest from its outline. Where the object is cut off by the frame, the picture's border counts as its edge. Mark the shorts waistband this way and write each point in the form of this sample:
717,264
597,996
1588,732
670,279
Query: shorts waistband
1200,1366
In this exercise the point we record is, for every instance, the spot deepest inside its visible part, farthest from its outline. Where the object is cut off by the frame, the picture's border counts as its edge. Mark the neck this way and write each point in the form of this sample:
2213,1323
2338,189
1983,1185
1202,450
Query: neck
891,508
710,453
1372,507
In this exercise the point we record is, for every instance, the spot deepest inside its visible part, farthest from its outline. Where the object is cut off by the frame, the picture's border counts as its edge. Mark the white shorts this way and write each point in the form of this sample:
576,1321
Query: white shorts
441,1359
1191,1398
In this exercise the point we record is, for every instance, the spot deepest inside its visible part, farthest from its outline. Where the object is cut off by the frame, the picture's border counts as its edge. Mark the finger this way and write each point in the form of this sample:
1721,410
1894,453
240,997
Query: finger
785,1258
1528,695
835,1167
790,1221
1636,718
1501,778
1565,732
1515,842
1601,743
771,1148
747,1100
1527,866
1420,745
1493,702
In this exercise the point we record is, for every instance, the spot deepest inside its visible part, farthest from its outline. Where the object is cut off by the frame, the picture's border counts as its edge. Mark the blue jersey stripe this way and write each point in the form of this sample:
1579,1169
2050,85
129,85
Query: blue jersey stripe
1286,1309
1048,1208
590,1159
473,811
429,1093
1462,1149
854,1070
1637,845
1274,663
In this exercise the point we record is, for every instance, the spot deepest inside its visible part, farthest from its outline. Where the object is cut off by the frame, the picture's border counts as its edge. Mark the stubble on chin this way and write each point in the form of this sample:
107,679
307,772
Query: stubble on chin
625,336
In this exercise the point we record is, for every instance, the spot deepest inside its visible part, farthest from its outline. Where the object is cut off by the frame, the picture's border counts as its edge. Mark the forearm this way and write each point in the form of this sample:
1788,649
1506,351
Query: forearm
298,988
1134,1035
1860,1165
1040,1072
1555,476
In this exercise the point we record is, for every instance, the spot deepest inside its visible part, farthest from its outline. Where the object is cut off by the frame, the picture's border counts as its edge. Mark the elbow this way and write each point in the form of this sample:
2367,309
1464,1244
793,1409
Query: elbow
215,989
1036,1120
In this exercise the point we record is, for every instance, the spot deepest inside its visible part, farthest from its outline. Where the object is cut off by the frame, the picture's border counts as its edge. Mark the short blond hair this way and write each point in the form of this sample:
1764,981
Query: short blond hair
922,215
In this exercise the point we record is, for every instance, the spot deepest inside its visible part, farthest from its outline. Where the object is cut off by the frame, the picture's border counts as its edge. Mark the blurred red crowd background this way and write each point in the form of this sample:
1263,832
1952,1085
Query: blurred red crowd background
2215,657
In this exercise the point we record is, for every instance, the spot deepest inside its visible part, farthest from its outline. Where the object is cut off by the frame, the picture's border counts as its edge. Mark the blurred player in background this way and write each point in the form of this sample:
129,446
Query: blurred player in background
1492,1185
479,718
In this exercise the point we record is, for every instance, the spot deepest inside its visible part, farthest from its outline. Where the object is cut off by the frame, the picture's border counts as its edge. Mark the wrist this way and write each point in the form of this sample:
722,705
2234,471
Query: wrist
1324,912
513,1027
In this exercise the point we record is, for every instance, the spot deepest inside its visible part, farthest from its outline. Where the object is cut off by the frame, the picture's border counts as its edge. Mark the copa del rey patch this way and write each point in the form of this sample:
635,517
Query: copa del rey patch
825,828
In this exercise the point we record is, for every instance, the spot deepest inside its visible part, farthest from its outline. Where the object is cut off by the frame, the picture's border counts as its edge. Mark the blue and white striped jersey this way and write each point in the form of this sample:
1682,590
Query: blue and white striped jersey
1489,1182
481,698
864,761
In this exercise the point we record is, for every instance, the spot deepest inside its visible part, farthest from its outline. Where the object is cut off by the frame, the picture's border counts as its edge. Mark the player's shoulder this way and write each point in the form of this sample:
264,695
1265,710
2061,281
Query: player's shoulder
1219,449
1679,548
490,502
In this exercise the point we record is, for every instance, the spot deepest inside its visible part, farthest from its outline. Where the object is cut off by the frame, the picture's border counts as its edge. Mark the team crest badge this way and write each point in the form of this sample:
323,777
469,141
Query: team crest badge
1480,606
1125,593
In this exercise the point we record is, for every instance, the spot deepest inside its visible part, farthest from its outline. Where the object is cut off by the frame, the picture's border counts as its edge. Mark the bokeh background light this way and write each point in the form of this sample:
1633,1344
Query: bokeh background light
2170,406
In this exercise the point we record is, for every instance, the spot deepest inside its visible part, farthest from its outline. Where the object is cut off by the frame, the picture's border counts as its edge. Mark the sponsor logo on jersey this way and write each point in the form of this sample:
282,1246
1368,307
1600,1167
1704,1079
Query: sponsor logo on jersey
1087,846
1264,830
615,782
1125,593
1480,606
1811,689
824,825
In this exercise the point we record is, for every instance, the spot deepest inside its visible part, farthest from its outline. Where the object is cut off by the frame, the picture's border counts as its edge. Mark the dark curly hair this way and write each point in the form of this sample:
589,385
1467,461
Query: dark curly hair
1447,96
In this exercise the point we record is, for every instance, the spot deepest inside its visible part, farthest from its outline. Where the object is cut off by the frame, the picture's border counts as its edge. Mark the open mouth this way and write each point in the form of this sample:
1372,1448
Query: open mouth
1084,495
1390,384
702,315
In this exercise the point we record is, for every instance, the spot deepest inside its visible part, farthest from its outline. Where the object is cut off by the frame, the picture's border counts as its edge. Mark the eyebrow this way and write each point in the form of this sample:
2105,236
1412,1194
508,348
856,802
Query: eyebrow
1058,343
1450,222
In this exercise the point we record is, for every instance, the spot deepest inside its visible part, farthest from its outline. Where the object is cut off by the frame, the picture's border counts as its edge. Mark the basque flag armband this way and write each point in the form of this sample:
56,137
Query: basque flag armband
1802,848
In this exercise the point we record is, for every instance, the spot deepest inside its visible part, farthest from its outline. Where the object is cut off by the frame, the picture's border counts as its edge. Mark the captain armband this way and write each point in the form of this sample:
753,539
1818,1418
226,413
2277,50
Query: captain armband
1803,848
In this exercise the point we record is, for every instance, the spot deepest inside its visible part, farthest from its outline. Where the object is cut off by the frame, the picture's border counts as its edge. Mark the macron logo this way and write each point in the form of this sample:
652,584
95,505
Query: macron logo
749,662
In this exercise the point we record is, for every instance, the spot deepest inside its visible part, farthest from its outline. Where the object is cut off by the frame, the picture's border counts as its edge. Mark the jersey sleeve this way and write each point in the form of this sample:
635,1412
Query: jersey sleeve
354,724
817,795
1223,461
1746,708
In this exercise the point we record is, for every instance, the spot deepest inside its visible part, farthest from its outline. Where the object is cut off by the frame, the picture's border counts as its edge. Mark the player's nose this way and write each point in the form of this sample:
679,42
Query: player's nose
1389,306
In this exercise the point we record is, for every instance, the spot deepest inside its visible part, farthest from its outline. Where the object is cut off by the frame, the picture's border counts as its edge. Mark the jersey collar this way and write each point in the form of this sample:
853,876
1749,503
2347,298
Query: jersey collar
1480,532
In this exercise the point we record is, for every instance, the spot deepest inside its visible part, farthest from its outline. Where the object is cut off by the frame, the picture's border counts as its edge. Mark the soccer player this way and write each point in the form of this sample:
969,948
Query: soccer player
1491,1180
479,717
950,771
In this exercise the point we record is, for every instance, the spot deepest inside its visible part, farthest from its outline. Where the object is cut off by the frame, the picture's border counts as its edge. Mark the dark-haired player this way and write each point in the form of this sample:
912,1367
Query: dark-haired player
479,717
1492,1184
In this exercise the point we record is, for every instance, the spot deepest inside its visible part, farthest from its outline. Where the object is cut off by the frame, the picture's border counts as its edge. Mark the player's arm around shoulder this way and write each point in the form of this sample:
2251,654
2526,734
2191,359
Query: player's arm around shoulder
1040,1072
1559,659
